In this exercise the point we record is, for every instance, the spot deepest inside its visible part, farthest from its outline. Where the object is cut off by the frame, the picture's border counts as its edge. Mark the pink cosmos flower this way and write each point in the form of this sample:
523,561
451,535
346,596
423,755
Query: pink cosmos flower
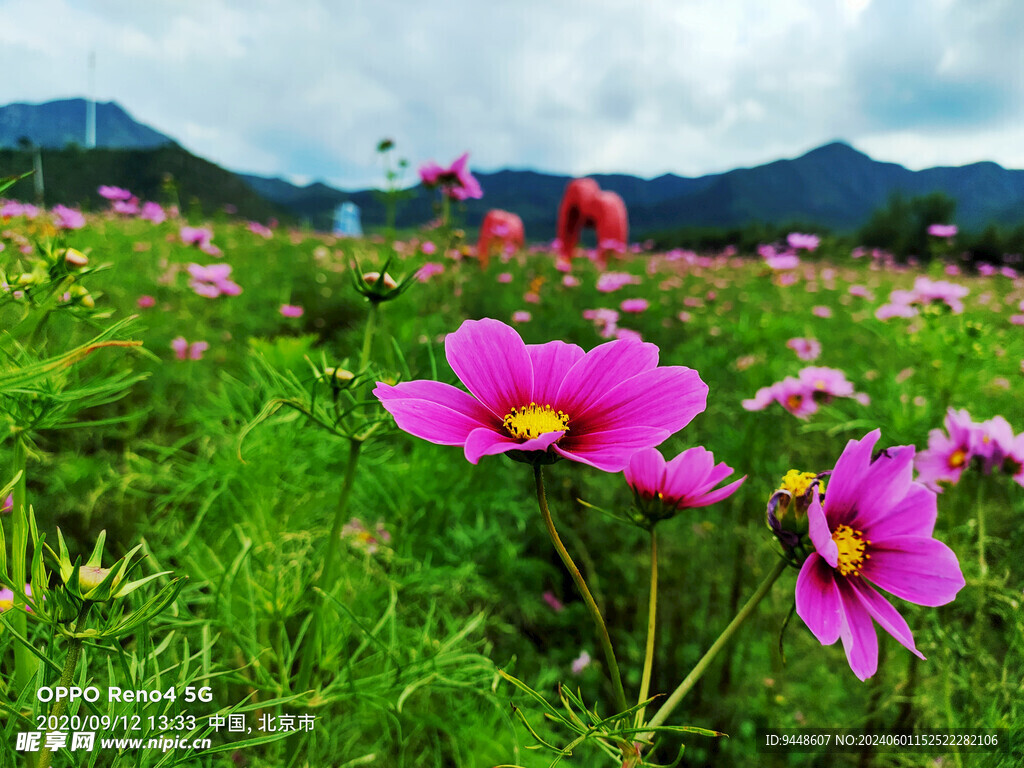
821,311
521,316
114,193
569,281
455,181
634,305
261,230
129,207
687,482
805,349
608,282
874,529
799,241
145,301
505,277
942,230
428,270
949,453
791,393
826,383
185,351
547,401
67,218
7,598
197,236
212,281
581,662
606,320
153,213
291,310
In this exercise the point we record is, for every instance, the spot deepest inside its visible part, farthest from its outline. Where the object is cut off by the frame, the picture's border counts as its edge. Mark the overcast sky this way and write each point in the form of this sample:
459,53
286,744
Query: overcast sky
305,89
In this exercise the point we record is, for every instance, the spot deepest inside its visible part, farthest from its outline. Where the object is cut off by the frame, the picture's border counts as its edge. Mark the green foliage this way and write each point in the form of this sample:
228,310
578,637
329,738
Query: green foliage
901,227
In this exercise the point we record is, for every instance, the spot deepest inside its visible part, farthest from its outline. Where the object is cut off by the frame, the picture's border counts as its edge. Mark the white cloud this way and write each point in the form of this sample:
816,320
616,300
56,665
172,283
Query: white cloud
307,89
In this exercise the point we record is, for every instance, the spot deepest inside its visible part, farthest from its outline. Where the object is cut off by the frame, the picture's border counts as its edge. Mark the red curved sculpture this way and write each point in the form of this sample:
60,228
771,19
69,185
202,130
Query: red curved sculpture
585,205
502,227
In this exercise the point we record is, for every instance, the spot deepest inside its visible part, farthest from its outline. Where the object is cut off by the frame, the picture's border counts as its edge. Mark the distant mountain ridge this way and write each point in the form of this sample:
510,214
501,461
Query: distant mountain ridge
56,124
833,186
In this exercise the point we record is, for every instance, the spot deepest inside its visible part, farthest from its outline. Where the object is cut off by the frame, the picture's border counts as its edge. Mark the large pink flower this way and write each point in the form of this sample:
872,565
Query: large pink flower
874,529
548,400
456,180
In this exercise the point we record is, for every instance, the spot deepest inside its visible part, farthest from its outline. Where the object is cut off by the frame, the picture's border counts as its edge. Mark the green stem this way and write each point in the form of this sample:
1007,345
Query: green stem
695,674
371,325
67,677
581,585
327,576
645,680
24,662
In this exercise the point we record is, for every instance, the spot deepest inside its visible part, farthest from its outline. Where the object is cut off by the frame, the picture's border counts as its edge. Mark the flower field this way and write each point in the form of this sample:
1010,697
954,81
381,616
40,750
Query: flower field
387,506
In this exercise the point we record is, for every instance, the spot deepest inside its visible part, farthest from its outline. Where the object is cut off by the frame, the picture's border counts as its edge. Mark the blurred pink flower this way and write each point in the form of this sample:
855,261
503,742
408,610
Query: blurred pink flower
521,316
185,351
942,230
68,218
607,282
291,310
554,602
153,213
634,305
428,247
505,277
800,241
145,301
428,270
455,181
821,311
114,193
805,349
212,281
581,662
261,230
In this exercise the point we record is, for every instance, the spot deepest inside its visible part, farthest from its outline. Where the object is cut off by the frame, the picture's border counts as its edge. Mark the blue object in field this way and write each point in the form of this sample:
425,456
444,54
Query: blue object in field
346,220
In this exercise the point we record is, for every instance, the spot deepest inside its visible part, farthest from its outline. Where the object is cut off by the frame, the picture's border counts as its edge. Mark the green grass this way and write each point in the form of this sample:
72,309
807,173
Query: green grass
406,673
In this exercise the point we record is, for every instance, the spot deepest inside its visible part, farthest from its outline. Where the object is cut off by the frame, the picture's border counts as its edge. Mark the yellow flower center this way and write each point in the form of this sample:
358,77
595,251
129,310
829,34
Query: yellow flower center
797,482
5,604
851,550
535,420
957,459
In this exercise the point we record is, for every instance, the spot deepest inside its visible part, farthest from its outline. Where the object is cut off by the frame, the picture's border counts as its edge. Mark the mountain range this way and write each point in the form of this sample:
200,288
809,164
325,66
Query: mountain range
834,186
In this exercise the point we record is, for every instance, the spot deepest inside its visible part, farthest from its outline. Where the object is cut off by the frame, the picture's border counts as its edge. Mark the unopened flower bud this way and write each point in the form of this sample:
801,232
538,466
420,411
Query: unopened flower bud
340,376
787,507
373,277
75,258
90,577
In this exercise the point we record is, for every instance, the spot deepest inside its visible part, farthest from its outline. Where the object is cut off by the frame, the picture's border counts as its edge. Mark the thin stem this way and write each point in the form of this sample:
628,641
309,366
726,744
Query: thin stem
67,677
24,662
581,585
645,681
695,674
371,325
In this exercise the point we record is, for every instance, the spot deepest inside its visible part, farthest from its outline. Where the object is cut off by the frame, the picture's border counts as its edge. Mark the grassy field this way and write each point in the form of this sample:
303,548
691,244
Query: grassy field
382,590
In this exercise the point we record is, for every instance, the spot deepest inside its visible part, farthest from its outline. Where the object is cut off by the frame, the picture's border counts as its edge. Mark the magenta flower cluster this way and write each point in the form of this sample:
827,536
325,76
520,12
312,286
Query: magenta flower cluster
803,394
989,445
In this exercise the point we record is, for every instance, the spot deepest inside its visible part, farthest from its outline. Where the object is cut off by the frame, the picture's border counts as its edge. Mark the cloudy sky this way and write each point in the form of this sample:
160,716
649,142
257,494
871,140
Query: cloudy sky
305,89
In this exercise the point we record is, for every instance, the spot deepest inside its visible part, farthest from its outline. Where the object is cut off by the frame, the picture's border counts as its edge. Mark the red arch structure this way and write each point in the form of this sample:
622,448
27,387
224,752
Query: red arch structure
499,227
585,205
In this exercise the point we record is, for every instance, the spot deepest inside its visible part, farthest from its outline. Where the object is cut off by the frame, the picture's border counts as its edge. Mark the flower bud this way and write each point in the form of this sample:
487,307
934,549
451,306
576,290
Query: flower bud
75,258
373,277
340,377
91,576
787,507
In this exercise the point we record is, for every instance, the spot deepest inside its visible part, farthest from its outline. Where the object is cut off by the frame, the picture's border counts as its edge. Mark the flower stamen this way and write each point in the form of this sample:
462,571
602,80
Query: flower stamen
852,548
535,420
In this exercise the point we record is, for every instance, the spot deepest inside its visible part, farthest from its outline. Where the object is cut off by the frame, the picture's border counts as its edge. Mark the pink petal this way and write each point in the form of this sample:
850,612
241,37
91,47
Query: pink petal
913,516
882,611
434,411
821,535
713,497
844,485
817,599
688,471
610,451
890,478
487,442
601,369
491,359
646,471
551,362
667,397
860,641
918,569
